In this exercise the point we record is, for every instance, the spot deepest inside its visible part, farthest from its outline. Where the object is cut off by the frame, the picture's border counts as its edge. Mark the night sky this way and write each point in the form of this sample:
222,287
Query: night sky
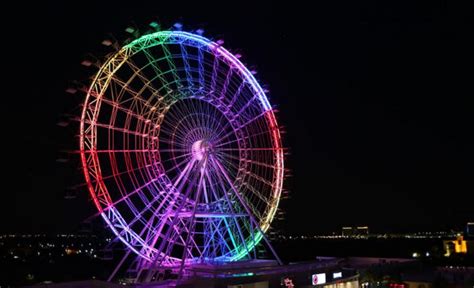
374,98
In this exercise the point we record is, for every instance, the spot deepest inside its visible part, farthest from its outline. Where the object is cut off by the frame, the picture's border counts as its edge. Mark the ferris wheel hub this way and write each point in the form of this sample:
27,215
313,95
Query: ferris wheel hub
201,149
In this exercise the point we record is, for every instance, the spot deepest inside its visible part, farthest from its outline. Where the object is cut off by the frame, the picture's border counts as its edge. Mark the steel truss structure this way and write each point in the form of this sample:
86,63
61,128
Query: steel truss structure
181,152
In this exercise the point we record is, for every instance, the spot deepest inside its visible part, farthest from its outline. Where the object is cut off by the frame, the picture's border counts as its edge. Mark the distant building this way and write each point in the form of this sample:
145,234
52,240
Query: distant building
355,232
362,231
470,229
347,232
458,246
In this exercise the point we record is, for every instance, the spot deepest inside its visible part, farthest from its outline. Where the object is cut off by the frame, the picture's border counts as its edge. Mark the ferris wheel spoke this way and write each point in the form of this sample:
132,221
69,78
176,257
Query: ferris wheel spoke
166,131
259,163
178,165
200,117
192,121
183,111
223,119
252,149
217,191
227,125
243,125
171,142
231,164
184,174
184,125
175,157
249,136
225,130
174,116
175,150
204,187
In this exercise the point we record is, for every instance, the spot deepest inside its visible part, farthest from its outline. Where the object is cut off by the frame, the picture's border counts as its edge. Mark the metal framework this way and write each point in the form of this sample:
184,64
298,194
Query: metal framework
181,151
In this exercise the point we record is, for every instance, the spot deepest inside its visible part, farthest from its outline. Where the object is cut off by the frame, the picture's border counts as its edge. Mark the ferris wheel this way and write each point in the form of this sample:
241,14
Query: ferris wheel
181,150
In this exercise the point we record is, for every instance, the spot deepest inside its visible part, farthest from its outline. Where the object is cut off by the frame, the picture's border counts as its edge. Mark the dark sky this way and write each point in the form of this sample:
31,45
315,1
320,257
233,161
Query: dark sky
374,97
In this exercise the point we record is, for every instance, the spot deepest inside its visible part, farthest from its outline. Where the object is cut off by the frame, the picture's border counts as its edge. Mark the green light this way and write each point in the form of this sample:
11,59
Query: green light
130,30
155,25
250,245
243,274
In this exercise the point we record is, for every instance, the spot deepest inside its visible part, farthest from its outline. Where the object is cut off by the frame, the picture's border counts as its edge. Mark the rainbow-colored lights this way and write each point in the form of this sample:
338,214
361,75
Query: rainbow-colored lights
181,150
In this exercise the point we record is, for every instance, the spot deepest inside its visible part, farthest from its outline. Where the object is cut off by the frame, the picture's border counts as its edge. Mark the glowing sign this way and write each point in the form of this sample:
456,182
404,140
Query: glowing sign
319,278
336,275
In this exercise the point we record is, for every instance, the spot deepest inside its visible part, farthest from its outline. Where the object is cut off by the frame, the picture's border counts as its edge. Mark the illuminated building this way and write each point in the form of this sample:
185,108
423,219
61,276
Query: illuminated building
347,232
356,231
362,231
458,246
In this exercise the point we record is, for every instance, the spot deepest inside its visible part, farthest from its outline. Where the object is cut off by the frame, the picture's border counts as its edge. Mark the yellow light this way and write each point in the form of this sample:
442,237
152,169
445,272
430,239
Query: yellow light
460,245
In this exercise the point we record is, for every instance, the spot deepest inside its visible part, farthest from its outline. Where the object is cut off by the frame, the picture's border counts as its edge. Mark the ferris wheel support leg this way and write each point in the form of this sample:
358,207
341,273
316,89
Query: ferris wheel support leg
191,224
253,239
247,209
111,277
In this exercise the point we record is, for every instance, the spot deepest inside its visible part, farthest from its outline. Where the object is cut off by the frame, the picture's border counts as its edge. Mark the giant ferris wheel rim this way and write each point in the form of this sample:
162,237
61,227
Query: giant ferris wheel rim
108,212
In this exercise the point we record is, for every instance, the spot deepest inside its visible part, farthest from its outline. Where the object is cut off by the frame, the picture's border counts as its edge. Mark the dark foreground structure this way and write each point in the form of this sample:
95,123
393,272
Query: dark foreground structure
325,272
